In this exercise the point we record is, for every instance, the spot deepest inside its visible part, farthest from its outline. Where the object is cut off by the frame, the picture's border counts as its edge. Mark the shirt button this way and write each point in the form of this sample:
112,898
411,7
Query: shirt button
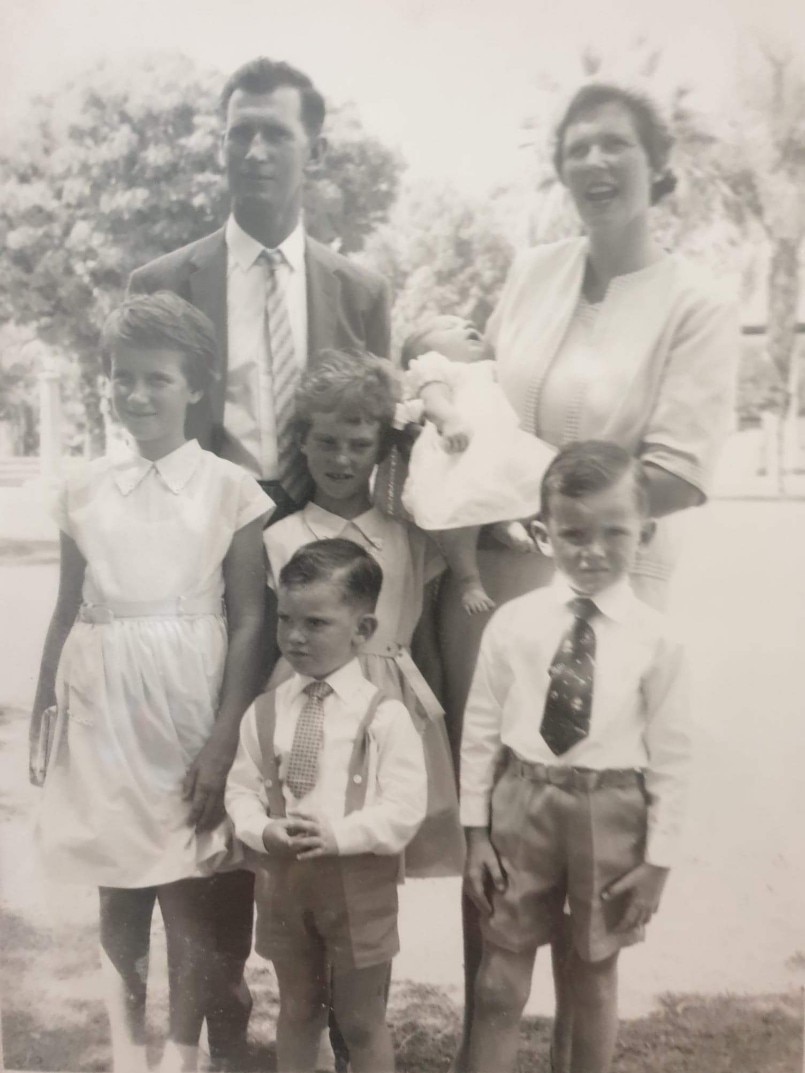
357,779
269,783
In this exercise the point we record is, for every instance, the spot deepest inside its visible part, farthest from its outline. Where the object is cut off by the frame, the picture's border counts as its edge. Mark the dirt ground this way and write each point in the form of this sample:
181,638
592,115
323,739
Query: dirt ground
732,920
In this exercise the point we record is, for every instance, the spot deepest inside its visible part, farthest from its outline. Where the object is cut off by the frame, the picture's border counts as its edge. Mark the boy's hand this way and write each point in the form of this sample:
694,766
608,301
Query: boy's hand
643,887
483,869
455,434
311,838
277,838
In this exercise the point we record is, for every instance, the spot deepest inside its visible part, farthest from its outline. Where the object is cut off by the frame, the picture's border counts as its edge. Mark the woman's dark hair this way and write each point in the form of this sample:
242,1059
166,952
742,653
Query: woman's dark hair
588,467
263,75
164,321
341,561
651,128
352,383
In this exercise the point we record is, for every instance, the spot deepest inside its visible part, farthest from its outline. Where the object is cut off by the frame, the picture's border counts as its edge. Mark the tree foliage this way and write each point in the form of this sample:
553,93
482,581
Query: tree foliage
123,165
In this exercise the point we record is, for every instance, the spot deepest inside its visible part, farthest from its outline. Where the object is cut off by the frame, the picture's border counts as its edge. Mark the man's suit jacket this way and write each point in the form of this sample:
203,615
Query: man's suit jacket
347,306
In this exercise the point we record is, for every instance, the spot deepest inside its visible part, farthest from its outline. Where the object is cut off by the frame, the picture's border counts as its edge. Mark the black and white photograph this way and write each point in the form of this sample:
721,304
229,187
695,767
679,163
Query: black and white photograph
402,514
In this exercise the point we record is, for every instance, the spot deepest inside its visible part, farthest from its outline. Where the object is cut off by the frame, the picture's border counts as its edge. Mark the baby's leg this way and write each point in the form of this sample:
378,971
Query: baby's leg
595,1007
304,1000
513,535
502,987
359,1001
459,547
125,930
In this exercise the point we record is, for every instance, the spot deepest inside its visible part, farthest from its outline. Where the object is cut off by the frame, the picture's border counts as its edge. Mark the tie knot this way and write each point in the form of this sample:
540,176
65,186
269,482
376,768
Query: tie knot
318,690
583,607
274,259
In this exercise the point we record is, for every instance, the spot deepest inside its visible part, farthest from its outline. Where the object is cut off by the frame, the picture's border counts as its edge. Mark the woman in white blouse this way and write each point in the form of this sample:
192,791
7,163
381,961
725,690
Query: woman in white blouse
607,337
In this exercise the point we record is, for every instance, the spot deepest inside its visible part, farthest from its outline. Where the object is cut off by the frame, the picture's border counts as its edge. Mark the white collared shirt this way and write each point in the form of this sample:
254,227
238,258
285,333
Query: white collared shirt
640,712
396,792
251,438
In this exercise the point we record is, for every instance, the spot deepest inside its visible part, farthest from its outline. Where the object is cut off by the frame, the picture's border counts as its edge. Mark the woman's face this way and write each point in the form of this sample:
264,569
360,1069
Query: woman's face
605,167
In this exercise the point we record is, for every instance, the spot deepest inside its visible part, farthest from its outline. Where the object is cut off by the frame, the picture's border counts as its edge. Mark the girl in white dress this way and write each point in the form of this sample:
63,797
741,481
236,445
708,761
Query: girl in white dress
151,658
472,464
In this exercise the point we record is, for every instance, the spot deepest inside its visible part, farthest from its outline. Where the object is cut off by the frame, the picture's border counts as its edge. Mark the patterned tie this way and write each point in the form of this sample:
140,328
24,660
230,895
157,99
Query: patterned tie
566,720
291,468
303,762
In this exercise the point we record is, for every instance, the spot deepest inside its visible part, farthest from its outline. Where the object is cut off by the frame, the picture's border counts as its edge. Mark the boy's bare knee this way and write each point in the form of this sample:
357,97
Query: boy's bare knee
360,1024
503,985
593,982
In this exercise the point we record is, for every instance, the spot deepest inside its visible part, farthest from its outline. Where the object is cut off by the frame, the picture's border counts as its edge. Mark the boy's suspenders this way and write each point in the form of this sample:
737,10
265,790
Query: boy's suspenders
265,718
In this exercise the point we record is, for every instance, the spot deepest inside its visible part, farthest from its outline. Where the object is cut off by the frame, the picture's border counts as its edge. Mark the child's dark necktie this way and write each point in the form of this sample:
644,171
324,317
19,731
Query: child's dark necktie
566,719
303,762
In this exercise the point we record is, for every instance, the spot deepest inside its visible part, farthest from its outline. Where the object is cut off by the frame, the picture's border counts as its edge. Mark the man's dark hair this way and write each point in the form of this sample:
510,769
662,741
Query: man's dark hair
164,321
263,75
341,561
589,467
651,128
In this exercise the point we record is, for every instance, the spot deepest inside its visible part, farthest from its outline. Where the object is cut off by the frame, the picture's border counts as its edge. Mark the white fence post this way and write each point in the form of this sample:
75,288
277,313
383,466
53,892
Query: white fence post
50,418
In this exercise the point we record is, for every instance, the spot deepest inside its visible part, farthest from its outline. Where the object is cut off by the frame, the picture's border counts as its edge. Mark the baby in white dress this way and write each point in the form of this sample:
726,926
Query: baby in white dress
472,464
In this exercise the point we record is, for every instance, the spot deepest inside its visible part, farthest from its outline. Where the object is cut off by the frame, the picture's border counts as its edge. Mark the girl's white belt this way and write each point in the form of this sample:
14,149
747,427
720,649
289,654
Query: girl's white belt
412,674
180,607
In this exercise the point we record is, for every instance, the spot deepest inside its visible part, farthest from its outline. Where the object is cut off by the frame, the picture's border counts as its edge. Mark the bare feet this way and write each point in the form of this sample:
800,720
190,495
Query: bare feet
474,597
513,535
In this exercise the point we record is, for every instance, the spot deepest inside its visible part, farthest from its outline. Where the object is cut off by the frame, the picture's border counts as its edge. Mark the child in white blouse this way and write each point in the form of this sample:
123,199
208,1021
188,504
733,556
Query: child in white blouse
150,661
472,465
327,789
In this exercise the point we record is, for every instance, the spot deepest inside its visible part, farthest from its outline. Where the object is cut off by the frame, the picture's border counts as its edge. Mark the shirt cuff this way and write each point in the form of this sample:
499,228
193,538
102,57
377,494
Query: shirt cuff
662,850
475,811
352,839
250,831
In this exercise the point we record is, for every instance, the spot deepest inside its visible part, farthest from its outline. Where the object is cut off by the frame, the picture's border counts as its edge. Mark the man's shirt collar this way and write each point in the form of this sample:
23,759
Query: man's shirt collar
244,250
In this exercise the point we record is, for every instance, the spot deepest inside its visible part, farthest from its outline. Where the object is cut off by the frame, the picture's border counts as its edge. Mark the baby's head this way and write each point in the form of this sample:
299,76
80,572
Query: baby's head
326,598
344,411
161,356
455,337
594,514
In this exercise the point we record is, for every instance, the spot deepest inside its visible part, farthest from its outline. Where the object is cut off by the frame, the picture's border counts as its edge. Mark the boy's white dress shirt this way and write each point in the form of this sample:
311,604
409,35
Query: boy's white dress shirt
640,712
249,421
396,793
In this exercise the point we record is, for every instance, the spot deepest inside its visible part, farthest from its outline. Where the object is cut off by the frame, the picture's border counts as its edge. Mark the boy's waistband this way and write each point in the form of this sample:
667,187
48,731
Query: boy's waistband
575,778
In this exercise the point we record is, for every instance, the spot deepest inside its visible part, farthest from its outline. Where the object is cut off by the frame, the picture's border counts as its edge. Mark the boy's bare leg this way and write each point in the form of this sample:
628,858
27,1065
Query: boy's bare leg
595,1007
304,1000
359,1001
562,1037
502,988
459,547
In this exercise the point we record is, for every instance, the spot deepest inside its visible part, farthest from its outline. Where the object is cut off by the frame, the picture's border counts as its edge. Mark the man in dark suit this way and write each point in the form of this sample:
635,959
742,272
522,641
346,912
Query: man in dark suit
276,298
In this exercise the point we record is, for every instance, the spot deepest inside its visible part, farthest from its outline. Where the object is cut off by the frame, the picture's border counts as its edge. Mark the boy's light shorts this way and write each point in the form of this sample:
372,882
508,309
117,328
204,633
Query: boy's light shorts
342,908
564,833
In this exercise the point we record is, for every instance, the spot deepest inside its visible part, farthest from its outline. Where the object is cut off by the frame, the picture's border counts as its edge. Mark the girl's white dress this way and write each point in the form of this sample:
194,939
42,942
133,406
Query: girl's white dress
140,673
497,478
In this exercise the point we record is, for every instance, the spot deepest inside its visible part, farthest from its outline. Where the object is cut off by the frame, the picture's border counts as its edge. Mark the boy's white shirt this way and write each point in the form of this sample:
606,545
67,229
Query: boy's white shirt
396,791
640,713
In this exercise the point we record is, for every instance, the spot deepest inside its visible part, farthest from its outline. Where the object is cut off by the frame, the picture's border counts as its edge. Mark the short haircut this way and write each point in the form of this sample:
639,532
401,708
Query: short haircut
652,130
263,75
352,383
341,561
164,321
592,466
416,342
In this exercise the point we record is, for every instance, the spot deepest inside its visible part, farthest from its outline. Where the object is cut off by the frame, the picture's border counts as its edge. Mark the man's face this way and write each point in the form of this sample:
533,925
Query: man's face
267,150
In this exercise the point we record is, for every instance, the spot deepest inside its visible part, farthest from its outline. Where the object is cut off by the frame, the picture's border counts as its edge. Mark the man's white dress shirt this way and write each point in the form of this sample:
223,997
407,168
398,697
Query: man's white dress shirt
251,434
396,790
640,711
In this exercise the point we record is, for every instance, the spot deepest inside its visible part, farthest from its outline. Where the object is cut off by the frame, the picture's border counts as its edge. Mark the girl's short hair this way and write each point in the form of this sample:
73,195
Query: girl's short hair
591,466
164,321
652,130
352,383
341,561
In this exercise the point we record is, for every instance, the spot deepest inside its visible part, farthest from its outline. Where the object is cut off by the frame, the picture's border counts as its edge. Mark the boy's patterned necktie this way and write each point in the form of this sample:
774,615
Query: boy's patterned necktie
303,762
285,372
566,720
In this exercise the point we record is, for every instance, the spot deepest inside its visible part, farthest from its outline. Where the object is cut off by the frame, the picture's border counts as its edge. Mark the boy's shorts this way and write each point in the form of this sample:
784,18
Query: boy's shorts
564,833
342,908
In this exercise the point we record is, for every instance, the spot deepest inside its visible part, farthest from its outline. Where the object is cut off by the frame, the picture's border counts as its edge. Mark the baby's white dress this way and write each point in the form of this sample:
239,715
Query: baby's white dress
497,478
140,673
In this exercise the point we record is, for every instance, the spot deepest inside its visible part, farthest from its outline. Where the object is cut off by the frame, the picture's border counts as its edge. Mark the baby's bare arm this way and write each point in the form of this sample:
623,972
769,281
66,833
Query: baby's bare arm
437,399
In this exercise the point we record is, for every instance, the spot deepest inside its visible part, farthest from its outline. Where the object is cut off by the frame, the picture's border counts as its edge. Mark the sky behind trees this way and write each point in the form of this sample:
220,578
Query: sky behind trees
447,82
